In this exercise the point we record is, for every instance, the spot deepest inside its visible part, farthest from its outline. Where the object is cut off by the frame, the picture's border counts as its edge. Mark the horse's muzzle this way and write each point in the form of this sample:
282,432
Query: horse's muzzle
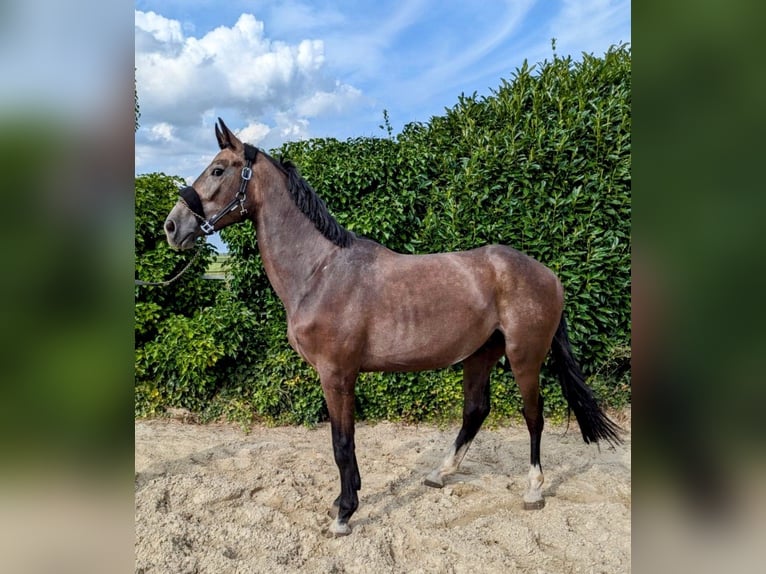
180,233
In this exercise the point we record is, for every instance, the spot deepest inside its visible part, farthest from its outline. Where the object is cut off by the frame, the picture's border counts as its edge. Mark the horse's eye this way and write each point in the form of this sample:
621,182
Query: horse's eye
217,171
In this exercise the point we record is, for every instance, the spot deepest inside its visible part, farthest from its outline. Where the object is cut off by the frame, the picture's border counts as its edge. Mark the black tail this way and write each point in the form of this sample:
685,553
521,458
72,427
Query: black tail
594,424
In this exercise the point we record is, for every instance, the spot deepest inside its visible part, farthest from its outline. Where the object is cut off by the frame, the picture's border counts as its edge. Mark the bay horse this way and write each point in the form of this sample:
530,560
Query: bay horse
353,305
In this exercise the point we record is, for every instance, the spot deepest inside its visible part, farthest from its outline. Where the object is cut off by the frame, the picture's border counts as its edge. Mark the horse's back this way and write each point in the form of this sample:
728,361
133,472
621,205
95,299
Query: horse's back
491,271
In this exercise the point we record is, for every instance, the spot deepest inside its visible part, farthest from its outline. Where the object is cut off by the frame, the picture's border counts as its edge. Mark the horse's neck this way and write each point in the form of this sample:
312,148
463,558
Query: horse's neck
291,247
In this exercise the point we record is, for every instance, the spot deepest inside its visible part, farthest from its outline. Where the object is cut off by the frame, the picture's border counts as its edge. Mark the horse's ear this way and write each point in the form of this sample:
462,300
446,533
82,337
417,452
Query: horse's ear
222,143
225,136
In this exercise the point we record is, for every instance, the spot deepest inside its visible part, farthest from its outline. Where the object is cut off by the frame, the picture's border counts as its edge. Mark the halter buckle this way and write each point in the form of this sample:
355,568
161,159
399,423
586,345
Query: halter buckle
207,227
247,173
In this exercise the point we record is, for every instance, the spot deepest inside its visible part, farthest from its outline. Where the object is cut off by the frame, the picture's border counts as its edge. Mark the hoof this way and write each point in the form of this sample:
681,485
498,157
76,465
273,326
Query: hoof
536,505
434,480
337,529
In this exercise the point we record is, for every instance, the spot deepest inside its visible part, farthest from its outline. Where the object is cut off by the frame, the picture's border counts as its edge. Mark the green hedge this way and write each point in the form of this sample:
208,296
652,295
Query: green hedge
542,164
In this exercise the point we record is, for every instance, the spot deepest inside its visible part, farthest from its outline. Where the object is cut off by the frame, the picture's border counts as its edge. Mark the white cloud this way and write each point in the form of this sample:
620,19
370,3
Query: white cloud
325,103
161,29
235,67
290,127
253,133
162,131
269,86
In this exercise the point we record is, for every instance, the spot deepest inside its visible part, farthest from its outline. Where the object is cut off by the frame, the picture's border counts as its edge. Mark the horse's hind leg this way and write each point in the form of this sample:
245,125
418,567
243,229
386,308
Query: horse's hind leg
528,379
476,371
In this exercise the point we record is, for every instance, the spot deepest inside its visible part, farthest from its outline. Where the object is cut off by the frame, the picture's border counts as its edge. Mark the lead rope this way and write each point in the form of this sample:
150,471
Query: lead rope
169,281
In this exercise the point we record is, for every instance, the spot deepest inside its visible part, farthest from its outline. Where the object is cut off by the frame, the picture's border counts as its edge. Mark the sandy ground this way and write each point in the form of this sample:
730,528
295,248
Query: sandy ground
214,499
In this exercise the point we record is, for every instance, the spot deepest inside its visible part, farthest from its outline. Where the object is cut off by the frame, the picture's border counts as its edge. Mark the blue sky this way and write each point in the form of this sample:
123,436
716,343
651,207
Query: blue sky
279,70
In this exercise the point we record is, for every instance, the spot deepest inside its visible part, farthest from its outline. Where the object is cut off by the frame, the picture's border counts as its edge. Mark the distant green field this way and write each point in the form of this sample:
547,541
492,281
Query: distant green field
219,268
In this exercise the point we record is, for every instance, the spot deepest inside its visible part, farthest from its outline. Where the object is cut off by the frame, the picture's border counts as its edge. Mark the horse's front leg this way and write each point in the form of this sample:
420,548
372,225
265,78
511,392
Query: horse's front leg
339,394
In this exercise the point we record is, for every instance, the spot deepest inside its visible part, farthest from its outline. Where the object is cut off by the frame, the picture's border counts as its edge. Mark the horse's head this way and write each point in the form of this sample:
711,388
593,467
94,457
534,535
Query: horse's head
218,197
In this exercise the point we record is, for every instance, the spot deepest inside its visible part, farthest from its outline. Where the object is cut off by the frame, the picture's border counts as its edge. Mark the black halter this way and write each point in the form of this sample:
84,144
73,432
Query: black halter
191,199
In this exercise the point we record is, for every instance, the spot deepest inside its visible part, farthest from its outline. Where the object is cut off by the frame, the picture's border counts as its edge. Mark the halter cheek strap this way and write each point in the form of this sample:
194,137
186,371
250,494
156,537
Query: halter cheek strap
191,198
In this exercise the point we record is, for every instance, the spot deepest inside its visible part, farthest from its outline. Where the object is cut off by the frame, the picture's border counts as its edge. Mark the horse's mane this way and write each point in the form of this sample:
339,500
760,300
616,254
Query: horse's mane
312,206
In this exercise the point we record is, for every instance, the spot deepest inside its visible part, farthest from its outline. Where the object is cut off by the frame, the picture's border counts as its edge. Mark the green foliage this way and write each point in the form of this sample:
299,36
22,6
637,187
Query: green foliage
190,356
155,195
183,331
542,164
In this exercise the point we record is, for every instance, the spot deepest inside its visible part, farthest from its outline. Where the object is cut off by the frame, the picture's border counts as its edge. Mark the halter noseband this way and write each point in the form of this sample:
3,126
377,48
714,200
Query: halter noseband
191,198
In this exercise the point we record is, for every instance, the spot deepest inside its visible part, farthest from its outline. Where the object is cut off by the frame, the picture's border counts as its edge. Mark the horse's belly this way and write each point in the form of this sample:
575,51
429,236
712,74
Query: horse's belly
423,347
